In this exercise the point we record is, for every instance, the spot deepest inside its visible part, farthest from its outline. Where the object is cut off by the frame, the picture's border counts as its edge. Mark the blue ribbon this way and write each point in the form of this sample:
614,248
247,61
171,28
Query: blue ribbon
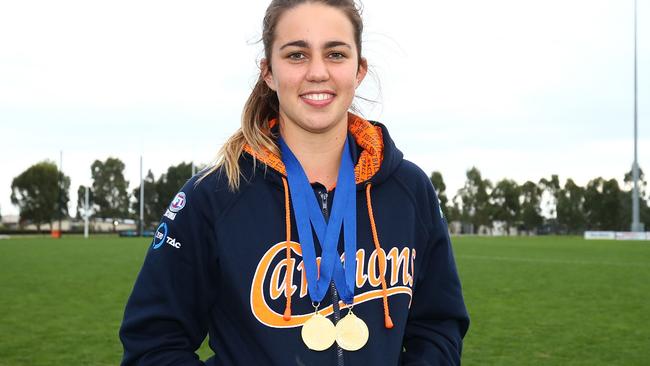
308,214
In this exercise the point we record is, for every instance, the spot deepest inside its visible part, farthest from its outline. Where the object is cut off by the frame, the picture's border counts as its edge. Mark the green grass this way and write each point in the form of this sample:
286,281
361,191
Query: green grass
533,301
555,301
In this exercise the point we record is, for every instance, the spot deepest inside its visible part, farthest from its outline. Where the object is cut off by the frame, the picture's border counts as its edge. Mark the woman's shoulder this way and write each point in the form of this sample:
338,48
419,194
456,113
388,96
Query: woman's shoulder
412,171
208,191
413,177
414,180
211,186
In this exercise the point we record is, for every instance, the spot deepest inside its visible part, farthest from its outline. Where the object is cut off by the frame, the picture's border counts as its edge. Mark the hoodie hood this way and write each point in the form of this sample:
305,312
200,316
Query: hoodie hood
374,152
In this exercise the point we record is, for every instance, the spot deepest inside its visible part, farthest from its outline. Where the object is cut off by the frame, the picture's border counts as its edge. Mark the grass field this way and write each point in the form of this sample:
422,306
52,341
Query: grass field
533,301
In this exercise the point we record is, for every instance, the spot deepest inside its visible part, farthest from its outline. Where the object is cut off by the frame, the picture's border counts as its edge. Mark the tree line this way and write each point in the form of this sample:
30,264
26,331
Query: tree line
36,193
545,206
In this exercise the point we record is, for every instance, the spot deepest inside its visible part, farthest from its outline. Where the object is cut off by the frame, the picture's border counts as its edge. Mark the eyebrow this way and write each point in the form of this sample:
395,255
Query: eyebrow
305,44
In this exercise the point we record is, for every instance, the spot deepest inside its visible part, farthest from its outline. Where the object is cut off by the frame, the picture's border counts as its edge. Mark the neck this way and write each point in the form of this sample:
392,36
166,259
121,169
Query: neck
319,154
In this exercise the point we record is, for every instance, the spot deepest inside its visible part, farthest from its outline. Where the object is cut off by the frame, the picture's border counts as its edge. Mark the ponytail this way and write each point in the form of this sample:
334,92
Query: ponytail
262,105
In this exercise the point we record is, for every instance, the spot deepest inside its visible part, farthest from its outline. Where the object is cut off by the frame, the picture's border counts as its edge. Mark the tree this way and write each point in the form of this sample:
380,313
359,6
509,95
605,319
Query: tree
81,199
505,202
455,211
552,188
570,207
612,208
170,183
603,205
36,193
475,199
530,197
109,188
629,183
150,201
439,185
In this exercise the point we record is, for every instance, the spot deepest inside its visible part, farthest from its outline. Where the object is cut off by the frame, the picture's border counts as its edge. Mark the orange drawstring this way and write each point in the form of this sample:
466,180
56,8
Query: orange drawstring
287,282
388,322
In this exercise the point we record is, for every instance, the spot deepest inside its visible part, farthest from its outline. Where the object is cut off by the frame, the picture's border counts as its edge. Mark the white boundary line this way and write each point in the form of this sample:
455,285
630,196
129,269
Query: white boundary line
553,261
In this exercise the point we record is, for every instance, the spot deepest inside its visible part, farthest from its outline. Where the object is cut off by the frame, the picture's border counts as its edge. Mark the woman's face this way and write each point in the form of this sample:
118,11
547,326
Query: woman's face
314,67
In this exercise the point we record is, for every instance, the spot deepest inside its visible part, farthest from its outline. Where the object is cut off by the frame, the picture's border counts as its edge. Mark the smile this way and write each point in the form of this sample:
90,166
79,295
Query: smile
321,96
318,99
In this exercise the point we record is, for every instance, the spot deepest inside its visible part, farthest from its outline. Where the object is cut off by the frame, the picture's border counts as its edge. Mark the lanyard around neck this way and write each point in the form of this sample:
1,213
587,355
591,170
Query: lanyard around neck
308,214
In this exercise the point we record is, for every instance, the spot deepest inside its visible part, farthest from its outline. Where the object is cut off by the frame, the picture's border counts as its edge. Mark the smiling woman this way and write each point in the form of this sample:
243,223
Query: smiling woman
328,218
314,69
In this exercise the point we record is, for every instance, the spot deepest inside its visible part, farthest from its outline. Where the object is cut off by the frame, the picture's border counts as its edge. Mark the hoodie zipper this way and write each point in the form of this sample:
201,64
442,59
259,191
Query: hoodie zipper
335,296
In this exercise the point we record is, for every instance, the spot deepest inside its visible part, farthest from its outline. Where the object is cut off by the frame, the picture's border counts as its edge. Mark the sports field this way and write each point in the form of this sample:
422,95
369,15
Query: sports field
533,301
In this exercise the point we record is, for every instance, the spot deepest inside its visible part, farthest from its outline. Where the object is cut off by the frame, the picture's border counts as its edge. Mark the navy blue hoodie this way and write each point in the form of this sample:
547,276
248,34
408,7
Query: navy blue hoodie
219,262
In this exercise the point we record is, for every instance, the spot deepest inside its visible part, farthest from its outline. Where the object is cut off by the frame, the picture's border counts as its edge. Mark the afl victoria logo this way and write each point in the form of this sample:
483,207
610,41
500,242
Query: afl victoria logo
159,236
178,203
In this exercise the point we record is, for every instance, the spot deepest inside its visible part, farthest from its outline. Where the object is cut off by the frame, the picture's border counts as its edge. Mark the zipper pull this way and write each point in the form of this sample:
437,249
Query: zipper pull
323,197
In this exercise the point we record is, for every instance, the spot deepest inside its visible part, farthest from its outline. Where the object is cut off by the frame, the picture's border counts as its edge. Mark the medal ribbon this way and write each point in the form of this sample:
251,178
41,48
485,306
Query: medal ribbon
308,214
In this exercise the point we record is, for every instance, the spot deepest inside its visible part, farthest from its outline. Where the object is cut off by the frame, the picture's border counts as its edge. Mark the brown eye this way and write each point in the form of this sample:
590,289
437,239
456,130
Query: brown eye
296,56
337,55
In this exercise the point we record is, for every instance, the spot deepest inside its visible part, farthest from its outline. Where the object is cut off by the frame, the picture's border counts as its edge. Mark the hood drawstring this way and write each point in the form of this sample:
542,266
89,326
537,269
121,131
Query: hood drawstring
388,322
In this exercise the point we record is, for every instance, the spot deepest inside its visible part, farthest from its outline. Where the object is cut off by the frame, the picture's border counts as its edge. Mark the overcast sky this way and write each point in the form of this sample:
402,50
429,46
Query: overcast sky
519,88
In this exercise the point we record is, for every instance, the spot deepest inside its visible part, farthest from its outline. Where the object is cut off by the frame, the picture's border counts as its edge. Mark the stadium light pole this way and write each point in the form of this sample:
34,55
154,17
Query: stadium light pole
60,193
86,211
636,225
141,200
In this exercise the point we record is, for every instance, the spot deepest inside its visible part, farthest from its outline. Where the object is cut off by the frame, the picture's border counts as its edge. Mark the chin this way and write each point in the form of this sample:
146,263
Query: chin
319,125
323,122
316,122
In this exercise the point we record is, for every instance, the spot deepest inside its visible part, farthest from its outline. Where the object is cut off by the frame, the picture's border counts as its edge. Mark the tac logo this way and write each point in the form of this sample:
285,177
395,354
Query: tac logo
171,241
162,236
178,203
159,236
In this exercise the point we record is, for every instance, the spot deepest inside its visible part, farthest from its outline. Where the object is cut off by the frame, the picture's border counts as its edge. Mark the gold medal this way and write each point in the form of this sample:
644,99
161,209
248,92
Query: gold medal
318,333
351,332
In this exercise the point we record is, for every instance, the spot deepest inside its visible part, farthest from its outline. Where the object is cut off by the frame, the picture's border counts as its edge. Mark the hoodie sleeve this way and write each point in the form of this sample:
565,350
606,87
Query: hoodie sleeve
438,319
166,316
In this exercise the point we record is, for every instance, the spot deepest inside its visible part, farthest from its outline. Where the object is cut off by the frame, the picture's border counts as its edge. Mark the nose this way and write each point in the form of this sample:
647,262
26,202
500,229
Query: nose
317,71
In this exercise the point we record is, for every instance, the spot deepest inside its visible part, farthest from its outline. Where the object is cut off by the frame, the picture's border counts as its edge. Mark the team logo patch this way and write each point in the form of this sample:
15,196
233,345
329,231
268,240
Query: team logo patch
170,215
178,203
160,236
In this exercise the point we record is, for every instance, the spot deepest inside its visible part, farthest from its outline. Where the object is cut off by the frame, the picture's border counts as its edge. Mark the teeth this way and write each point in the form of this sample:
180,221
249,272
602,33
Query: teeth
322,96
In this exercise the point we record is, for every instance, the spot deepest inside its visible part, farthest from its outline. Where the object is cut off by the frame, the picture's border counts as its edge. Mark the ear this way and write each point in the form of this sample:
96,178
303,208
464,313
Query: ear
267,75
362,70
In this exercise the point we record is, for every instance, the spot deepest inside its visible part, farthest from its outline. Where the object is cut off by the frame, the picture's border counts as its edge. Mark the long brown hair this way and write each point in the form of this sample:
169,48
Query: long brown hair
262,104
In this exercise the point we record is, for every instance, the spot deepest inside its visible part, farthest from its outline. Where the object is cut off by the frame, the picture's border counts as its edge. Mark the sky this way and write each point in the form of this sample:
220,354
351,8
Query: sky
520,89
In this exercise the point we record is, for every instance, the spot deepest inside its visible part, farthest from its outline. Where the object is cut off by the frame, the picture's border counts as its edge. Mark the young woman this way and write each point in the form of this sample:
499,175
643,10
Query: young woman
311,241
